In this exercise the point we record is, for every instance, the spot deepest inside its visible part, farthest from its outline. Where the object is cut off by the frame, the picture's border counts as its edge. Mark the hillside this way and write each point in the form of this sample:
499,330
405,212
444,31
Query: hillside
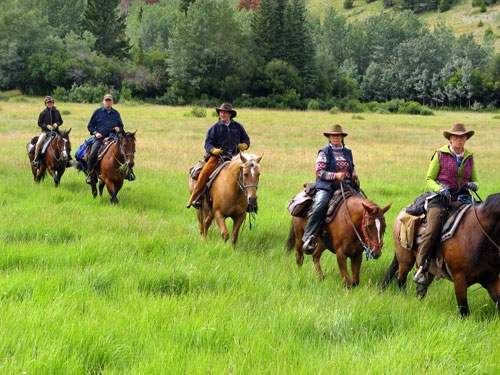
462,17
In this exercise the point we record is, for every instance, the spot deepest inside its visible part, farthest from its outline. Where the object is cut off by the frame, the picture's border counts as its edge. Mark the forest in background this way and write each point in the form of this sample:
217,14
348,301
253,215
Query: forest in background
203,52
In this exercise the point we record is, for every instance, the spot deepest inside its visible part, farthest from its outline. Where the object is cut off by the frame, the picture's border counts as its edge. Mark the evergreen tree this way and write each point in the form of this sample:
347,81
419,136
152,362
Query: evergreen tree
105,20
269,29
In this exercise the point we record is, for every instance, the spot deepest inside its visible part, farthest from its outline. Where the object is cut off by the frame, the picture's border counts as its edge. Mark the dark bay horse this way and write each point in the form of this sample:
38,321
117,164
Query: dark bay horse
115,164
471,256
231,194
55,159
358,226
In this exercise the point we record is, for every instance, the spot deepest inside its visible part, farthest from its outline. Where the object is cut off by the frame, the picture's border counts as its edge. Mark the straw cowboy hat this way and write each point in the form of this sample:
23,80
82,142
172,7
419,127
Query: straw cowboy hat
458,129
226,108
335,130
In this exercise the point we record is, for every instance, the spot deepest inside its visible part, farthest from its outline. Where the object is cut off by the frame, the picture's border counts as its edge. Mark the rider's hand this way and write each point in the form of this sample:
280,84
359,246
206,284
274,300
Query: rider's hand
242,146
49,127
445,195
472,186
216,151
54,126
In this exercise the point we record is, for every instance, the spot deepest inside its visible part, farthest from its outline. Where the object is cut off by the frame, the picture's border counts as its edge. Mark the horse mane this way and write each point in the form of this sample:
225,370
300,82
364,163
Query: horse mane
492,202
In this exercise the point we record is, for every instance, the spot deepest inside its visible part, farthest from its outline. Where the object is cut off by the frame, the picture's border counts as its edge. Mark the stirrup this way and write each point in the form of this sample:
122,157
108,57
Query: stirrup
308,247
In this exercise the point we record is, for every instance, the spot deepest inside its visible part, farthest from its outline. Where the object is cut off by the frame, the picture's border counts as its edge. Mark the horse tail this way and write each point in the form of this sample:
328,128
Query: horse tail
391,272
290,242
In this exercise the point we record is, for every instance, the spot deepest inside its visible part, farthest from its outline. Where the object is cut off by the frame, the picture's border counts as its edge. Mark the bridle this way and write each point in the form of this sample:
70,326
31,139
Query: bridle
364,226
121,140
480,226
58,138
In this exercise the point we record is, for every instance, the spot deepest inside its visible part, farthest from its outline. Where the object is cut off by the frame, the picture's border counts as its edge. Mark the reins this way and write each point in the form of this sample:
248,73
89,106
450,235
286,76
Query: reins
365,234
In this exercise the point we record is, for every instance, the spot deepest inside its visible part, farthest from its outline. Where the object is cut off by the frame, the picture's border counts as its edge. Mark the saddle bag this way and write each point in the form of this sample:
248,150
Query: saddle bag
82,150
301,202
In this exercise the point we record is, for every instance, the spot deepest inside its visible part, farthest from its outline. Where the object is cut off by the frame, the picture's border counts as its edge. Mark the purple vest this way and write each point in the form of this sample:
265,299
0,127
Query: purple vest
449,173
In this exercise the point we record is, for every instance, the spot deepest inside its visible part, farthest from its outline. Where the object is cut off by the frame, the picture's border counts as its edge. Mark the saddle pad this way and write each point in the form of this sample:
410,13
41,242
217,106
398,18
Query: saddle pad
452,222
335,203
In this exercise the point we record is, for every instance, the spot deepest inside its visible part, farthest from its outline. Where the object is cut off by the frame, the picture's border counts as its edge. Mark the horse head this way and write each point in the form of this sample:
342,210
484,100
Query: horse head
127,147
373,224
63,144
249,178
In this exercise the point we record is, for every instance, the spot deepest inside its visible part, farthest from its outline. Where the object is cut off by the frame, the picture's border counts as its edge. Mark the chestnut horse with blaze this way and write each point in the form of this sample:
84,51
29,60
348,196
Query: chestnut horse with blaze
471,255
357,227
232,194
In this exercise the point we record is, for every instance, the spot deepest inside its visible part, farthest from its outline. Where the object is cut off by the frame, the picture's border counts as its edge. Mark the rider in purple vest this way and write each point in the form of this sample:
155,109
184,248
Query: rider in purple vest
450,176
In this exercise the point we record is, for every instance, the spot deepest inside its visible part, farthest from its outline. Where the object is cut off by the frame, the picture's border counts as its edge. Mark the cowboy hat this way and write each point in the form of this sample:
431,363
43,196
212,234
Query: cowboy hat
226,108
335,130
107,96
458,129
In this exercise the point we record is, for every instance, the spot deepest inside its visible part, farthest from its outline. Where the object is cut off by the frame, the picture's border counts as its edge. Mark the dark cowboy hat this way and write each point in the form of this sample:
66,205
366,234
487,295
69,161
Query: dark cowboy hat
49,99
226,108
335,130
458,129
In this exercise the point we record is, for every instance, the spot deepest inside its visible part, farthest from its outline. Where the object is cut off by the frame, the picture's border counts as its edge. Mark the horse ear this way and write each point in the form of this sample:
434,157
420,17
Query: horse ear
386,208
243,159
68,131
260,157
135,131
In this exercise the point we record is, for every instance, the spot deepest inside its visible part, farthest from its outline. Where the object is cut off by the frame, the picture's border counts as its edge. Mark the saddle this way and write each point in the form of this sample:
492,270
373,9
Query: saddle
34,140
194,172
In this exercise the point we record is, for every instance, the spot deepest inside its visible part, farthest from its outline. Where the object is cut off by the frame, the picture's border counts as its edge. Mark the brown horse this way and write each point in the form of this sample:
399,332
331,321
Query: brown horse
232,194
54,160
358,226
115,164
471,256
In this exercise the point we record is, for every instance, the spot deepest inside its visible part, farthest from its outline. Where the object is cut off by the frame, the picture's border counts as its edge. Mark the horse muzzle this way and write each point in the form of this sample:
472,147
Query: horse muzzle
374,252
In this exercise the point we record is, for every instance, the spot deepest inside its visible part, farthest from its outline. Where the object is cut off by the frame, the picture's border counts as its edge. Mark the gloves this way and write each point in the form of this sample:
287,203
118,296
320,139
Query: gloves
472,186
50,127
242,146
216,151
54,126
445,196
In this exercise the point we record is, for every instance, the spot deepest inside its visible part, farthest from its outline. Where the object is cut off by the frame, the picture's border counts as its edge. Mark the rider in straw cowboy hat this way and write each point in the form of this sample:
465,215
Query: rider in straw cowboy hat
451,173
225,138
334,165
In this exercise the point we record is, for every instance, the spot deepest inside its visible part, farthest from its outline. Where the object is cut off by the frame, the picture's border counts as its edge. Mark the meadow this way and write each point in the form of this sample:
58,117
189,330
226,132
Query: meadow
87,287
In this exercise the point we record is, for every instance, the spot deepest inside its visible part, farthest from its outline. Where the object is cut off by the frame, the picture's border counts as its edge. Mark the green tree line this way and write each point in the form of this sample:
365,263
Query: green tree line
202,52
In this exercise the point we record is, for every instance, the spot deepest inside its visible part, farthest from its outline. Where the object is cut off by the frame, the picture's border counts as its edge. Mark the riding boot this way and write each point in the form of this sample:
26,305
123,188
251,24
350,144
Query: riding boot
36,162
203,178
314,219
426,247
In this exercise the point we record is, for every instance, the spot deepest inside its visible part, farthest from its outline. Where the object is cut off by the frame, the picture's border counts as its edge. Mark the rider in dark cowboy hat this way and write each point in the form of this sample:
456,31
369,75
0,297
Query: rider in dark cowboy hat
225,138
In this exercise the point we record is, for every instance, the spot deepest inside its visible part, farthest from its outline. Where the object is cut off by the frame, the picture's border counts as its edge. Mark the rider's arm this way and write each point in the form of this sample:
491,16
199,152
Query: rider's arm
432,174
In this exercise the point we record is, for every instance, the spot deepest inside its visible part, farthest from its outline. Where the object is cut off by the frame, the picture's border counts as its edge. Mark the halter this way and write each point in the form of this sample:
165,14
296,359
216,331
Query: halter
364,226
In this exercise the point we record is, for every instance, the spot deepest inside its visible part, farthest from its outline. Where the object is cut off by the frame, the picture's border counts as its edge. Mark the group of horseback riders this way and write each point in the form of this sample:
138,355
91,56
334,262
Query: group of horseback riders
104,122
450,177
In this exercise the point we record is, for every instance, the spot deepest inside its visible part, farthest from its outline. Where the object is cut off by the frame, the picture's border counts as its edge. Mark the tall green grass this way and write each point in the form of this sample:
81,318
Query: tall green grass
91,288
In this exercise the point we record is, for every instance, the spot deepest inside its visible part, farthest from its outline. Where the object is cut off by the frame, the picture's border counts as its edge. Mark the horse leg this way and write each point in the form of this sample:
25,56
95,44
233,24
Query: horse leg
316,256
236,228
494,291
221,222
342,263
355,268
460,284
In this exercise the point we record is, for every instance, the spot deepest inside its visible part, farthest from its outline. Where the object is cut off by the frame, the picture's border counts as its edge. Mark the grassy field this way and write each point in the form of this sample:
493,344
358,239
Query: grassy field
91,288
